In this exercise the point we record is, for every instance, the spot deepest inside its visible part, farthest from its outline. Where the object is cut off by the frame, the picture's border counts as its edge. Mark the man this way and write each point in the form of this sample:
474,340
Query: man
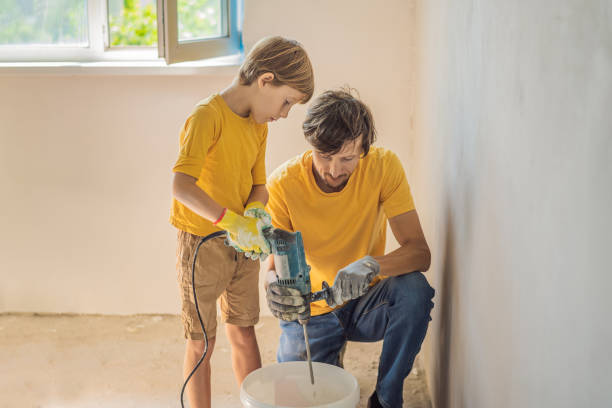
340,196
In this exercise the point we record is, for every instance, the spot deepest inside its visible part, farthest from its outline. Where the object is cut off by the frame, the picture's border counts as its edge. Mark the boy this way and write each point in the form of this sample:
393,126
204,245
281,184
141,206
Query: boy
219,175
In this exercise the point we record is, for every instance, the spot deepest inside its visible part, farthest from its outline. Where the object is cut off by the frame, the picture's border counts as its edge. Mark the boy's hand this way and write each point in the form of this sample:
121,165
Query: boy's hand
247,254
353,280
244,232
257,210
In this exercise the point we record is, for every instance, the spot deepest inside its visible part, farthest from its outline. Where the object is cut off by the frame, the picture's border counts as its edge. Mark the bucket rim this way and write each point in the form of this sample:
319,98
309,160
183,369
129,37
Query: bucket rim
251,402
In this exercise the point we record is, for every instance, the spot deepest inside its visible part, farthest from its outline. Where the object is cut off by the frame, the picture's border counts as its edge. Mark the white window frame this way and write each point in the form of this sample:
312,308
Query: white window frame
169,48
174,51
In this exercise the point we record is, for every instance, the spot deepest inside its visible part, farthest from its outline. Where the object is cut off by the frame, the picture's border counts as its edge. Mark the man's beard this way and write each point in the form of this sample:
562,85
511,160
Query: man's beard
323,183
336,187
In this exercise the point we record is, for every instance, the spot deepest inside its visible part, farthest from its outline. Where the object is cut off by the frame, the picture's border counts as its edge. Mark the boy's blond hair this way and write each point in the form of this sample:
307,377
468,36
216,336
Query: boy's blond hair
286,59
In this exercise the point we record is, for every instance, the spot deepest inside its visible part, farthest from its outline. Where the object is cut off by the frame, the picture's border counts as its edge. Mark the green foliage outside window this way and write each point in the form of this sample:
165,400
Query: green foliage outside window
43,22
135,25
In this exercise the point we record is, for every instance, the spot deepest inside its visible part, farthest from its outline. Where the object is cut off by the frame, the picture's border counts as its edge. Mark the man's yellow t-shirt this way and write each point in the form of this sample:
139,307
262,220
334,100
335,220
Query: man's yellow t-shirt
339,228
226,153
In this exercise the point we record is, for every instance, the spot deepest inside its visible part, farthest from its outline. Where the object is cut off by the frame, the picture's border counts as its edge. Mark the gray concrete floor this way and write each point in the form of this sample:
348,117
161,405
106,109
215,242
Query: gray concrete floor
90,361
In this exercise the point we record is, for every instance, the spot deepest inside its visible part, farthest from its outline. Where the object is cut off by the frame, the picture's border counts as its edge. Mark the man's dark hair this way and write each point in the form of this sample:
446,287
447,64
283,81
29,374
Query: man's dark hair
337,117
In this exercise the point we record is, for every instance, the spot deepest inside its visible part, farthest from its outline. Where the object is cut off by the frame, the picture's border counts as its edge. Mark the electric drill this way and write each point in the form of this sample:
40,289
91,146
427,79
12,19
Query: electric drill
292,271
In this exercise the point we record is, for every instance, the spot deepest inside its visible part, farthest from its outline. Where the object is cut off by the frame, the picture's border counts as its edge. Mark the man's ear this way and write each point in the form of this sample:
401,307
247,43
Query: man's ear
265,79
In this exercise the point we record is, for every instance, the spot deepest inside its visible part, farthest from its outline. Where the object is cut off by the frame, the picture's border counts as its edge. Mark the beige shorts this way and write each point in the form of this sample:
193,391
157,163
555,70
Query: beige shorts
220,272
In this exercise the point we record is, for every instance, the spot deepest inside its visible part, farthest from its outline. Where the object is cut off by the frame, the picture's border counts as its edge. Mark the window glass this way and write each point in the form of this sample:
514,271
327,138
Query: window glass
200,19
43,22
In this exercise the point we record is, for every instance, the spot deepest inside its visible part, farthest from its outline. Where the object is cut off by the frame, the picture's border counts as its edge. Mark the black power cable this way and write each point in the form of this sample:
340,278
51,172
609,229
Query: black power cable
195,299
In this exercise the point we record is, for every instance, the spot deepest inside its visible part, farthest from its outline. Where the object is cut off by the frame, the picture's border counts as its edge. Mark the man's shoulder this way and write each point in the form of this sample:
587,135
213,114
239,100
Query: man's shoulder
382,159
378,155
290,171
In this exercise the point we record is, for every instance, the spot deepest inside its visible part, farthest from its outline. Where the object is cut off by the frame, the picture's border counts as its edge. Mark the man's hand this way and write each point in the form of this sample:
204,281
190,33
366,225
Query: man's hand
353,280
284,303
244,233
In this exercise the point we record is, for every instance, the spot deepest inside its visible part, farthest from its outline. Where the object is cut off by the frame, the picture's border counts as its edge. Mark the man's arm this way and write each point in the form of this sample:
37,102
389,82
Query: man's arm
186,191
413,253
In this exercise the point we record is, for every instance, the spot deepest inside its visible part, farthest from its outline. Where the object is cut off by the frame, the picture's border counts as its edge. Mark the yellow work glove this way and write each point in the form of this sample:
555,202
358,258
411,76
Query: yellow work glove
256,209
244,232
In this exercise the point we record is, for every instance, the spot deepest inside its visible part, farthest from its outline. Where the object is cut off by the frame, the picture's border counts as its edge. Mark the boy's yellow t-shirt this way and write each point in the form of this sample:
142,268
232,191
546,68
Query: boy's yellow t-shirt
341,227
226,153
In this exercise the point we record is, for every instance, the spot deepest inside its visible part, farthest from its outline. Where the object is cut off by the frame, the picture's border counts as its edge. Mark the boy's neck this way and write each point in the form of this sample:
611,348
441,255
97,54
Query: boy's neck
238,98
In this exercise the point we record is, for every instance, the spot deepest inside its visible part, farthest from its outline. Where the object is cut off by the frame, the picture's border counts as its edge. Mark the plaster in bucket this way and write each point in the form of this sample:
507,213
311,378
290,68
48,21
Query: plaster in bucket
287,385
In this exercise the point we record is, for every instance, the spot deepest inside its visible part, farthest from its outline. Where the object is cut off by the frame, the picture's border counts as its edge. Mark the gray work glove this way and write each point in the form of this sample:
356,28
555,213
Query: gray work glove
284,303
353,280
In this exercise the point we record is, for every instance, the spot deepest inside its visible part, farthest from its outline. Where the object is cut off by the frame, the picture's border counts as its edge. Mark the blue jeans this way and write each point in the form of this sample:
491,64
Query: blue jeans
395,310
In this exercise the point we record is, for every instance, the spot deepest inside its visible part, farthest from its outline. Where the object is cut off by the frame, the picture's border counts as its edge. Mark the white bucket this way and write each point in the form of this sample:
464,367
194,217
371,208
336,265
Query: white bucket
287,385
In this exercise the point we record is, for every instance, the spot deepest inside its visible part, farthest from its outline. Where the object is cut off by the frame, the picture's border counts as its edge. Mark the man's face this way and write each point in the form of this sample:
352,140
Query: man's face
332,172
274,102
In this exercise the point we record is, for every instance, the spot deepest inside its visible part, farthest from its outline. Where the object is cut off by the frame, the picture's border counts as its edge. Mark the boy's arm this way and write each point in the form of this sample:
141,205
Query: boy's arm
243,231
258,193
186,191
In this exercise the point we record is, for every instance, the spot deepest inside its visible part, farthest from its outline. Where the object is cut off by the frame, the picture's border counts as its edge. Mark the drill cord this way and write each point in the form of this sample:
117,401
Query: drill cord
195,299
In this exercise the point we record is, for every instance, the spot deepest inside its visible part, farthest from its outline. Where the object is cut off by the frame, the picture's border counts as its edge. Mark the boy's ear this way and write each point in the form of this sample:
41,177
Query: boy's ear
265,78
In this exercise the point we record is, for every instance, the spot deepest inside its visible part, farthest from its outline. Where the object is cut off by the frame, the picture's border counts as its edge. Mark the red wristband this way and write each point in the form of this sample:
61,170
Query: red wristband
220,217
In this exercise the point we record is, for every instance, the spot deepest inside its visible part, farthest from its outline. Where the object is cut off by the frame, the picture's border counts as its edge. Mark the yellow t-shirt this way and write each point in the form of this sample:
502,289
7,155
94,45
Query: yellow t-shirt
339,228
226,153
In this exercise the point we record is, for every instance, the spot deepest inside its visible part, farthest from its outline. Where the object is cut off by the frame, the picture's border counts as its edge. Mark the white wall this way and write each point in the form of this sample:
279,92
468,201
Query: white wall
514,161
85,160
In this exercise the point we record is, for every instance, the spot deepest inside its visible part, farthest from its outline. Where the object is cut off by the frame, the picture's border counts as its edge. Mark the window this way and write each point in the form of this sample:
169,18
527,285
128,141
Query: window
107,30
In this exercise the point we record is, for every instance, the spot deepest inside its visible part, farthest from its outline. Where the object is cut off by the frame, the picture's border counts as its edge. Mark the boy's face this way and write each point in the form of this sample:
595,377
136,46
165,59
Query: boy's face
274,102
332,171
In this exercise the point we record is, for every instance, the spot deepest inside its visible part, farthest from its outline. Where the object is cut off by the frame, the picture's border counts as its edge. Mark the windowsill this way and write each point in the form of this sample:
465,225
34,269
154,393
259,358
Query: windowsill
214,66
